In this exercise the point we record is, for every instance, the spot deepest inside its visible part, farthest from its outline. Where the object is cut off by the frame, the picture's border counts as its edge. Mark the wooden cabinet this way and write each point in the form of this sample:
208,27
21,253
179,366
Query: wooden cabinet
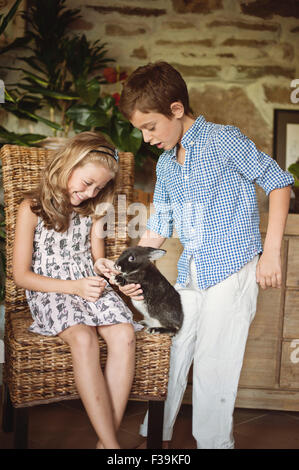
270,373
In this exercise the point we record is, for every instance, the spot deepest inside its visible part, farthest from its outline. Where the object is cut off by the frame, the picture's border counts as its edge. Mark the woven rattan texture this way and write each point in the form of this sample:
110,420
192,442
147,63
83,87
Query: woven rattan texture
38,369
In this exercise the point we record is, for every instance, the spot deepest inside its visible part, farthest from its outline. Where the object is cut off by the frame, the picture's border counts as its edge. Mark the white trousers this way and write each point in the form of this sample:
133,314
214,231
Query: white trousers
213,336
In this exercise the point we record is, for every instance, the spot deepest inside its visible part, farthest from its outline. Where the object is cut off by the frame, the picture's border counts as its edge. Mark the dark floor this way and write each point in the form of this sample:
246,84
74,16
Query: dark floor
65,425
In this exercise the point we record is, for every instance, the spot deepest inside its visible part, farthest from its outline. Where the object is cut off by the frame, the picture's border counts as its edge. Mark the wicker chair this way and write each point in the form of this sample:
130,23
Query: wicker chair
38,369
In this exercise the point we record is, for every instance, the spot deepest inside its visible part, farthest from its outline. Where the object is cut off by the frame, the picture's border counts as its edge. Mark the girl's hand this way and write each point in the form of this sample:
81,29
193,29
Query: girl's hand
105,266
268,270
90,288
132,290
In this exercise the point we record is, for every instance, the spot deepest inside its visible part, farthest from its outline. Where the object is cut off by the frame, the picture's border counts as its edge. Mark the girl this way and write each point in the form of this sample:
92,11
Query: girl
56,245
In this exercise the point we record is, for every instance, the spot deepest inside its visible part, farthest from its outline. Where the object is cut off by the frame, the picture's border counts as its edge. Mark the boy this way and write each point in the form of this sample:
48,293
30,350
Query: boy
205,187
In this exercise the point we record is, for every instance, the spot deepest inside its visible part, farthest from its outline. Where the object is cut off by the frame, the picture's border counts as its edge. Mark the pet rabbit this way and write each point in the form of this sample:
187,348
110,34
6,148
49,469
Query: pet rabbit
161,307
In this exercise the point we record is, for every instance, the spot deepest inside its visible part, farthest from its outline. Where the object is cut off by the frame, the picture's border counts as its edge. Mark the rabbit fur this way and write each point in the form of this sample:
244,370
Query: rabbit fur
161,308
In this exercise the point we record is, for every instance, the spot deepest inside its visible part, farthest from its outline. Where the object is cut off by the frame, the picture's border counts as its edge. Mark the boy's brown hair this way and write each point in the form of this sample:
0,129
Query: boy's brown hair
153,88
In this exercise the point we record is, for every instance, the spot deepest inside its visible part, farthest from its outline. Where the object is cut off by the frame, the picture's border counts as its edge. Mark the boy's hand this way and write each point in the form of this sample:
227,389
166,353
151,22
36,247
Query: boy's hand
105,266
90,288
132,290
268,270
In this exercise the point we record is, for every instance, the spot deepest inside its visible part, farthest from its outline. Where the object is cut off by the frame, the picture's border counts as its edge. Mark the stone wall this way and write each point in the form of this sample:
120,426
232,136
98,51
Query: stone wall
237,57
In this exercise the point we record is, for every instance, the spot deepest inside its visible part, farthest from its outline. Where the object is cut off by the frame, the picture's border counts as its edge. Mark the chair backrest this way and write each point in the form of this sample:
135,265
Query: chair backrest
22,167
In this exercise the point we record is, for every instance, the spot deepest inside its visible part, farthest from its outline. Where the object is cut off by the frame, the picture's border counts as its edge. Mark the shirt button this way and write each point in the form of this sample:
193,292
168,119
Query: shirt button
191,143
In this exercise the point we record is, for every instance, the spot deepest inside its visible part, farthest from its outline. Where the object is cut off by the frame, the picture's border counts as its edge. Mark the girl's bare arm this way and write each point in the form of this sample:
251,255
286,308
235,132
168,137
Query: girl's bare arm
97,241
22,257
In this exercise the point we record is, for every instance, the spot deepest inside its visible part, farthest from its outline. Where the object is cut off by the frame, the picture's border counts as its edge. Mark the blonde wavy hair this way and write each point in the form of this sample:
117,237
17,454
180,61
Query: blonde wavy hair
51,201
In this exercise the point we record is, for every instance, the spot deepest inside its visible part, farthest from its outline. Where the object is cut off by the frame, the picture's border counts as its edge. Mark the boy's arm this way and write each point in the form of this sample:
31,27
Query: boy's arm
159,227
152,239
268,272
241,154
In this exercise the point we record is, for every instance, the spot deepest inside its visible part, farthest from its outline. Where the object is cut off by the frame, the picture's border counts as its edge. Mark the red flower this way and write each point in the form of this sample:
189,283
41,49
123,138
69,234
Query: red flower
116,97
110,74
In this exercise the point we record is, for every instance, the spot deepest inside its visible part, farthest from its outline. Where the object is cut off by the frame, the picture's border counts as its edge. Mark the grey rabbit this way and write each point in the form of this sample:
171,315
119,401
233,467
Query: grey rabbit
161,308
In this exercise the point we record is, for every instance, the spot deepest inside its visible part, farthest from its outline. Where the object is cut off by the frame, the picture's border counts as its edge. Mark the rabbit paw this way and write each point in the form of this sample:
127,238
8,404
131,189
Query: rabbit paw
120,280
155,331
149,330
152,330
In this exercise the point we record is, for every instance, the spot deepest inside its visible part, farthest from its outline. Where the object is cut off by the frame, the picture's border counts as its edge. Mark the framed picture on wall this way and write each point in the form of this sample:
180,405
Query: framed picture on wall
286,137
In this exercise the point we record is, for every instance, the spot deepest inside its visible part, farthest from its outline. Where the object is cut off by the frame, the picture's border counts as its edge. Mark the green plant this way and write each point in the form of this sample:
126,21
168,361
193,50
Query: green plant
294,169
62,89
43,85
67,86
46,84
19,42
16,103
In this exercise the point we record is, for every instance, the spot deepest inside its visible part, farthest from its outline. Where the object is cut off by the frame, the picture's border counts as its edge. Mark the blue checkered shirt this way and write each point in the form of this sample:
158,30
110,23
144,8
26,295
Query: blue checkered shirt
211,200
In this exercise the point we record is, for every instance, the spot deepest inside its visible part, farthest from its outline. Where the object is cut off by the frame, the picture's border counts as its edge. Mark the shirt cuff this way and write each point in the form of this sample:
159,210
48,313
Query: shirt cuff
274,179
160,225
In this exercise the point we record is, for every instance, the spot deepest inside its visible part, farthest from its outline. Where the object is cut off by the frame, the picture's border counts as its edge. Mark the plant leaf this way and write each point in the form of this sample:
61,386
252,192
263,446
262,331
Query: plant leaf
19,139
49,93
106,103
18,42
87,116
9,16
88,91
294,169
30,75
126,137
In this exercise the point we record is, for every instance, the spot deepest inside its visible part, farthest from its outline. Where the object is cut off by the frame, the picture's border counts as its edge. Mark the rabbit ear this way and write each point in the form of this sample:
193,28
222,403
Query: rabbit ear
156,254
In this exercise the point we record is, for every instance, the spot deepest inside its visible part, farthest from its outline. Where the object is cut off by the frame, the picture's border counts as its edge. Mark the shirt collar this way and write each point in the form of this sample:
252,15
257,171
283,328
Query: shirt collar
192,133
189,137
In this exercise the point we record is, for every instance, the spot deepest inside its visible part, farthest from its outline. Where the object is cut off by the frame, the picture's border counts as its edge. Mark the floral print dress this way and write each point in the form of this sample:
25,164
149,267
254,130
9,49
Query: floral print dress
67,256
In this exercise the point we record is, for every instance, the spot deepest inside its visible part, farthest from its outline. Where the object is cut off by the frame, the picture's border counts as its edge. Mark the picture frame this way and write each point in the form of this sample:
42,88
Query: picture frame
286,137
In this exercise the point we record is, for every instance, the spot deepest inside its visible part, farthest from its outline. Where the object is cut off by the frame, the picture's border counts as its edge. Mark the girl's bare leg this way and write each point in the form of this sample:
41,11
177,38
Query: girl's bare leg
90,382
120,365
